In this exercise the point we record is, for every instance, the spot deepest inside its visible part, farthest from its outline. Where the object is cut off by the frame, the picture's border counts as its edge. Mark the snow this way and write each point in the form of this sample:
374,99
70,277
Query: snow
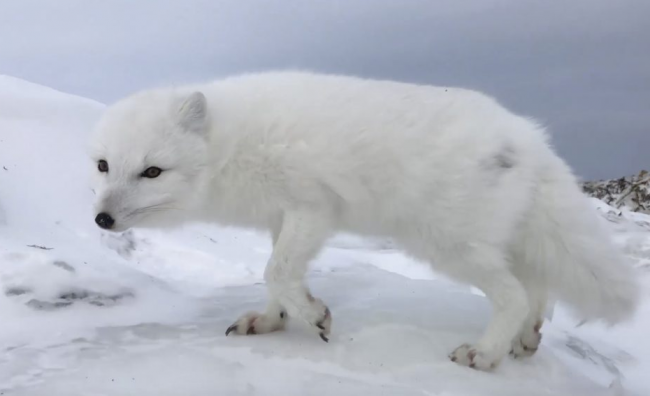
144,313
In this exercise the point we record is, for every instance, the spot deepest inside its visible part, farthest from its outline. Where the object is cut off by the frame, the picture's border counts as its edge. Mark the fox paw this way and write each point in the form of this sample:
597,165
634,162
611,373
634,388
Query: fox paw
324,325
470,356
256,323
312,312
319,316
527,342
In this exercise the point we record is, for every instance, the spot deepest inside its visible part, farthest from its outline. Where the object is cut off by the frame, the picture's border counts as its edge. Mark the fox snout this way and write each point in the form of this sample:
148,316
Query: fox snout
105,220
107,210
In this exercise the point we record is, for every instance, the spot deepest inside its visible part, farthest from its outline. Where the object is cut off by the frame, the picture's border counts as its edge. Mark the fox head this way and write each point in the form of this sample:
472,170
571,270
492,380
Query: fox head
150,152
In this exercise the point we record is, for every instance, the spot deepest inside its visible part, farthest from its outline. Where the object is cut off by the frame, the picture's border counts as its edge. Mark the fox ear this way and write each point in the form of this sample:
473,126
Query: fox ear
193,113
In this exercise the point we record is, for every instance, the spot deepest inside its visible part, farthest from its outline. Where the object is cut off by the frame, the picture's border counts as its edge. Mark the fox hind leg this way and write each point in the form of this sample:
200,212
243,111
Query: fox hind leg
527,342
485,267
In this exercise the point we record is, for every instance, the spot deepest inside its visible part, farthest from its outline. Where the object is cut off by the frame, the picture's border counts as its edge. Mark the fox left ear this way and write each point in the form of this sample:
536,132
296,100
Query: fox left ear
193,113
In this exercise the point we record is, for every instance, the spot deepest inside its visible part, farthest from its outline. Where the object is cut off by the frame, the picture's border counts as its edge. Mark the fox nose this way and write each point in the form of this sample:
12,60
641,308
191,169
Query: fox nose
104,220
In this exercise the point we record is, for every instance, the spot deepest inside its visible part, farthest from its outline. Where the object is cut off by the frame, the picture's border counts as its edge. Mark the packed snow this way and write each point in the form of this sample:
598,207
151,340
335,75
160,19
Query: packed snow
84,312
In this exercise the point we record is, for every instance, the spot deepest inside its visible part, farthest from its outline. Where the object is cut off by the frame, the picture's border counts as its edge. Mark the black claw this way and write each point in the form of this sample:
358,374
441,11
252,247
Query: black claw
231,329
324,338
282,314
320,326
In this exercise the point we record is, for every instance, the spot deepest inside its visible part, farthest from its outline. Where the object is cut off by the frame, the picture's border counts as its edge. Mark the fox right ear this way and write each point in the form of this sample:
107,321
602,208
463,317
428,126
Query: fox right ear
193,113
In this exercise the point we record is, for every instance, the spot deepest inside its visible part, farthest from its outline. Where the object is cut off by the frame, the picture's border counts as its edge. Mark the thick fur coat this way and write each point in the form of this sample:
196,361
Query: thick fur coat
449,174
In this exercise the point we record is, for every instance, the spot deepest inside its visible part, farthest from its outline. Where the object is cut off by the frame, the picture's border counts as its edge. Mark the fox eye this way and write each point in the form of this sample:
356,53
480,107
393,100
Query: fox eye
102,166
151,172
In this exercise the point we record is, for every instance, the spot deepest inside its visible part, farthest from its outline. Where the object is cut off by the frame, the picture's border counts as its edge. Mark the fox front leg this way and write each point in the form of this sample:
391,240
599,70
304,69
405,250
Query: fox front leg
301,236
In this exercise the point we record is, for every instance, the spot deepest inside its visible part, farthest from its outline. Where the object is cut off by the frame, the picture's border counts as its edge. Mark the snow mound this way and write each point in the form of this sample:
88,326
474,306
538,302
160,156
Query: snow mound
20,99
144,313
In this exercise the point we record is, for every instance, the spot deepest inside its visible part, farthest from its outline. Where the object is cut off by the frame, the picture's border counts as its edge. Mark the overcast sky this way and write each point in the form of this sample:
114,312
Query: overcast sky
582,67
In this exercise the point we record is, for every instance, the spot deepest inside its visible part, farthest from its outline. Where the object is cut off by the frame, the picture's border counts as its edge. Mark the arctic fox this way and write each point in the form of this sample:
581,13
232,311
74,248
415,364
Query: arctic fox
449,174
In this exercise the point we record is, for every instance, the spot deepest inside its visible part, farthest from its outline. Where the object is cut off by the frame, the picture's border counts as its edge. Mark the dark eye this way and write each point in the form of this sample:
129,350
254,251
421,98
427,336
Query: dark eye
102,166
152,172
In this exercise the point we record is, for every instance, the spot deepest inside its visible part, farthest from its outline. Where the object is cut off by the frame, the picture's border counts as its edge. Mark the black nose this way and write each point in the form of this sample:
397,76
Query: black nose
104,220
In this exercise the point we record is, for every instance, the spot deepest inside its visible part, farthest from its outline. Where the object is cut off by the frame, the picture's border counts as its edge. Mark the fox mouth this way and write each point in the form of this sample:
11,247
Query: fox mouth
106,221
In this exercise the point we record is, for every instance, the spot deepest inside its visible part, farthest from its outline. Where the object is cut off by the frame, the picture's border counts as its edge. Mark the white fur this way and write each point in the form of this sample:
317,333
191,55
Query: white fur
453,177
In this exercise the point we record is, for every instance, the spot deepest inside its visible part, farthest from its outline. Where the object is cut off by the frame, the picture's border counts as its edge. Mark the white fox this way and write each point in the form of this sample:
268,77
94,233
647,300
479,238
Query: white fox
447,173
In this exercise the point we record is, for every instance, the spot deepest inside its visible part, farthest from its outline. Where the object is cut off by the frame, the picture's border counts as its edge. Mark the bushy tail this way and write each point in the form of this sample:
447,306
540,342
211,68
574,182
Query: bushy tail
570,247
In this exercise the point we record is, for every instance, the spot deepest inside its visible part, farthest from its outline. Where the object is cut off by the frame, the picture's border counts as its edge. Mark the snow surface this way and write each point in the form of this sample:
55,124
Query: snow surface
144,313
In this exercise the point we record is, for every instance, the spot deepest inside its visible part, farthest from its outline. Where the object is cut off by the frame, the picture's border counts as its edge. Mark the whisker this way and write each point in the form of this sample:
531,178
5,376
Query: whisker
161,207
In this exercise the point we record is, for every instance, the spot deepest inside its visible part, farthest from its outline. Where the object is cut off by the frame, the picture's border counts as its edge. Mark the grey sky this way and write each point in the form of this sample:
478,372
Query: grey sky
582,67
